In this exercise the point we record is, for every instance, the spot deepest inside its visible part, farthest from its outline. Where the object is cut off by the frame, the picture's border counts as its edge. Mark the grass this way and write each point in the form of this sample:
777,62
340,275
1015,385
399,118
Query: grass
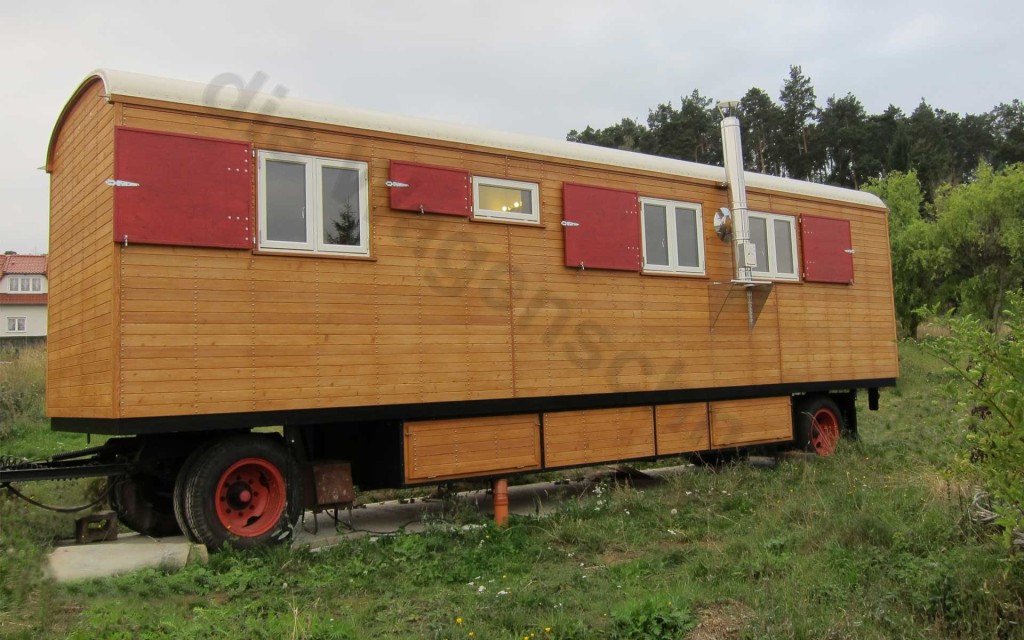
871,543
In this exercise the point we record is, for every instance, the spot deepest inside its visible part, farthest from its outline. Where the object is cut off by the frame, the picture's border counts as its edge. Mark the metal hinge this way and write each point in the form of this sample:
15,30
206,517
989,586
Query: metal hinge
393,184
110,182
568,223
850,251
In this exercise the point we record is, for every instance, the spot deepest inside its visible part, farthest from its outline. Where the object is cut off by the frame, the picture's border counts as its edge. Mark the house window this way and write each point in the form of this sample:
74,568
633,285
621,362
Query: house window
317,205
37,284
774,237
673,238
13,284
506,200
15,325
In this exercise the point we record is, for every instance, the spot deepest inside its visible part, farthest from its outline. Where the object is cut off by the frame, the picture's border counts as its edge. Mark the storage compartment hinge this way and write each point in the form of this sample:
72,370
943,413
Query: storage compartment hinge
393,184
568,223
110,182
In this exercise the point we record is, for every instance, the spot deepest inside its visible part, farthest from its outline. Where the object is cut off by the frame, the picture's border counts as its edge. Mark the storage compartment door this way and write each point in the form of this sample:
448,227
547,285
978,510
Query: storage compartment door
182,190
602,228
753,421
447,449
827,250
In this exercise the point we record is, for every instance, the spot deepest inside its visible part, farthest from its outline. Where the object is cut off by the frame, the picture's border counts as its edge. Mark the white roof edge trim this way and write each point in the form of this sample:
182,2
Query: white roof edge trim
231,98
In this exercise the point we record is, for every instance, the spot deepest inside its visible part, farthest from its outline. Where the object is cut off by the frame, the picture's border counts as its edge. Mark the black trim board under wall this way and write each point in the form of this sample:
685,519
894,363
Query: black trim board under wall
440,410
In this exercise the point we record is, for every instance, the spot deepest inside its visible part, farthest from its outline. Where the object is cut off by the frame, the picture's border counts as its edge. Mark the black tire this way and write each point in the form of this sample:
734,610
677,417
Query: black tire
180,490
818,424
257,504
144,503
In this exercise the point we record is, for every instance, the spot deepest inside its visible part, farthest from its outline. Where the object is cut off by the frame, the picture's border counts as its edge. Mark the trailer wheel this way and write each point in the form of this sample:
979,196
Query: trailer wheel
818,425
143,503
242,491
181,489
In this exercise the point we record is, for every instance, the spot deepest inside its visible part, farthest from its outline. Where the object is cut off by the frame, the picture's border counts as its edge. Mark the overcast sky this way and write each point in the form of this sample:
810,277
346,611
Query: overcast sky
525,66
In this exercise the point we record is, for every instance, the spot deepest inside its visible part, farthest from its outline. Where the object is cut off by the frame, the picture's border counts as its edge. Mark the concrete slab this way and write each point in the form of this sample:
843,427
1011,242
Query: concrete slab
131,552
128,553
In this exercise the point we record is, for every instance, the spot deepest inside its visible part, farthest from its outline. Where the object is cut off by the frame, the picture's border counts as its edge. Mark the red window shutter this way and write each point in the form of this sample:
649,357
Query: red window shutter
602,228
430,189
191,191
827,250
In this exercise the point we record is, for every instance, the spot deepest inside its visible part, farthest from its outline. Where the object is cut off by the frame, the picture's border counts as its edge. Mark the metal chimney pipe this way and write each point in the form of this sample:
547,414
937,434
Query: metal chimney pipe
732,151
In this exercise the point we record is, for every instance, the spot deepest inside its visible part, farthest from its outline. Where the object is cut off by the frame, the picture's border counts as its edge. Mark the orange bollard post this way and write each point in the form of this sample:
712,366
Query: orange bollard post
500,492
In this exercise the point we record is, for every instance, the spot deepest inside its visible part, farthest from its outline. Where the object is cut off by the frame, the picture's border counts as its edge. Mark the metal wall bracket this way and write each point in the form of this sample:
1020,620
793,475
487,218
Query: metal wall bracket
568,223
395,185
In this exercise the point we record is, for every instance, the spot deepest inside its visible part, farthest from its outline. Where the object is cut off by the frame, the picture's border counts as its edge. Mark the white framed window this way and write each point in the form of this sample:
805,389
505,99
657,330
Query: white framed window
14,283
15,325
507,200
673,236
774,238
37,284
311,204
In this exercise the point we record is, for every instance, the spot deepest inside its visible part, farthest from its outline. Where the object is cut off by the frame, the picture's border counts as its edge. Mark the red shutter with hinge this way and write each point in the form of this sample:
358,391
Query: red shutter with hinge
429,189
602,228
190,191
827,249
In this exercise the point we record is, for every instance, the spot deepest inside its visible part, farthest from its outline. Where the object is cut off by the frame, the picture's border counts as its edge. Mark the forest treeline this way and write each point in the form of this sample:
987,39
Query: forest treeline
954,183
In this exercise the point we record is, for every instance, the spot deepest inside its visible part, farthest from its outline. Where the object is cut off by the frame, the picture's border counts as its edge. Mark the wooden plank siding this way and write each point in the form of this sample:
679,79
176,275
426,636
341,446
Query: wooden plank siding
445,309
83,273
751,421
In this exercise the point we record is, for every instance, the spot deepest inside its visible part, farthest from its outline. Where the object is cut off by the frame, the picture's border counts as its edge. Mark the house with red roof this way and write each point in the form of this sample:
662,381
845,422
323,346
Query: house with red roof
23,292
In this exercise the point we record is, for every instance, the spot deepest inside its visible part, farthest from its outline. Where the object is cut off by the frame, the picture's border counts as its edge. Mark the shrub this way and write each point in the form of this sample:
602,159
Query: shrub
22,389
991,363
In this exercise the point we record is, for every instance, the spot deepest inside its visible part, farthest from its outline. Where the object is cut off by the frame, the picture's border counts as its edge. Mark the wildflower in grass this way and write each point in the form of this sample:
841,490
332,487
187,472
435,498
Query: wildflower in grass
458,620
547,629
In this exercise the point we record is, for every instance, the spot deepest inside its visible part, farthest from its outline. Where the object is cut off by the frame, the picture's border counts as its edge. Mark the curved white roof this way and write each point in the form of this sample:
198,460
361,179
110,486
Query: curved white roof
123,83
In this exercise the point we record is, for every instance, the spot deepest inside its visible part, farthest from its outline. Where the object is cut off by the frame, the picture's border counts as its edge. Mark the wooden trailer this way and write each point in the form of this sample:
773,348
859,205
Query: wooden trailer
416,302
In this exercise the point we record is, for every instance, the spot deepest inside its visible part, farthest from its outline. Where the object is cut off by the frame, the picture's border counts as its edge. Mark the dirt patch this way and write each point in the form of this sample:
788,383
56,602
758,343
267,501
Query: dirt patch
722,620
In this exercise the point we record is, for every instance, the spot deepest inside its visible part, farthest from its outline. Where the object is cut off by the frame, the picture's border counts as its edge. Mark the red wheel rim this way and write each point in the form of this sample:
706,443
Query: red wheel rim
824,432
250,497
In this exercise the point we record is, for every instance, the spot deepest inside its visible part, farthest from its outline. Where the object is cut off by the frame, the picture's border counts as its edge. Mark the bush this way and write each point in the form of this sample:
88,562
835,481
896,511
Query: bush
992,407
22,389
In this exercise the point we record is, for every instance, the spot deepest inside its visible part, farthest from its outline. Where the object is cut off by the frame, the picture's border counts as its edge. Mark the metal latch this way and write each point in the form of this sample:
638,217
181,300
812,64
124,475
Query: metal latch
110,182
850,251
568,223
393,184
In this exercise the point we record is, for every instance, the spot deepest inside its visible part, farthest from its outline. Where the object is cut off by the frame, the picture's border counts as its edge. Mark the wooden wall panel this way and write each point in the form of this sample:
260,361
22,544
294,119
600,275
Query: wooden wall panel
598,435
83,268
753,421
447,449
682,428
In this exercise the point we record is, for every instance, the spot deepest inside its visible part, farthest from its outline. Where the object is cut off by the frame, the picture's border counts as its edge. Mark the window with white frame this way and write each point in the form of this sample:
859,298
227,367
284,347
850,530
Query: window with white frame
673,236
15,325
507,200
14,284
774,237
37,284
311,204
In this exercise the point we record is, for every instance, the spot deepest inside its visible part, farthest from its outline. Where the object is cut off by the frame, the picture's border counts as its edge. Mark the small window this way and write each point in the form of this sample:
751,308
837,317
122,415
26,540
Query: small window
774,238
12,283
673,236
37,284
313,204
508,200
15,325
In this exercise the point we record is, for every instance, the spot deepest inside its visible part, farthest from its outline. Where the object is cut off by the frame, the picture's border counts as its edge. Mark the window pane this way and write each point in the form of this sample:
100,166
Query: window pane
656,234
340,199
13,284
286,201
10,324
24,284
37,284
783,247
505,199
21,324
758,228
686,237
